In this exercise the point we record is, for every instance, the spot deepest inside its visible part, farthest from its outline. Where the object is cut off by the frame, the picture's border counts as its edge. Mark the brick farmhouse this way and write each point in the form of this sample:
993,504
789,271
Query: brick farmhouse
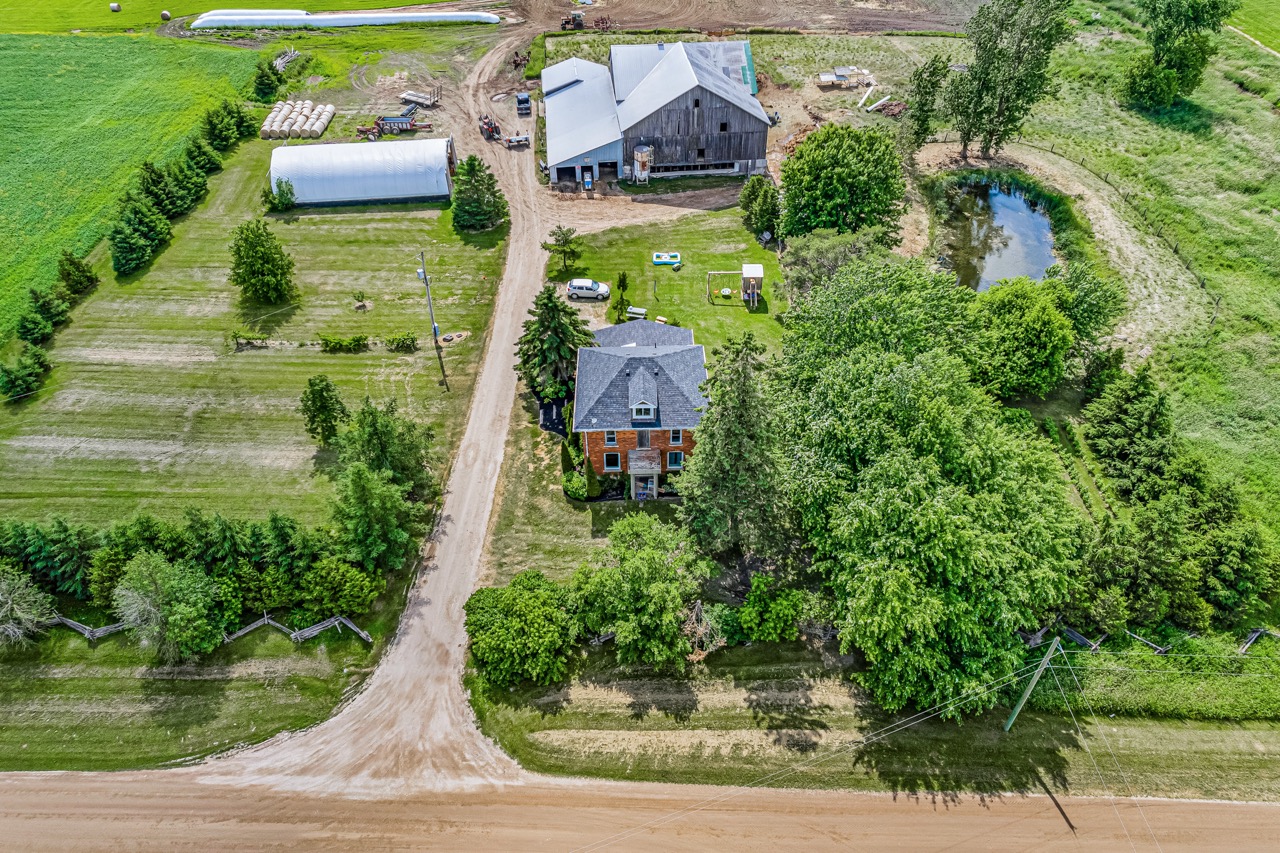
637,401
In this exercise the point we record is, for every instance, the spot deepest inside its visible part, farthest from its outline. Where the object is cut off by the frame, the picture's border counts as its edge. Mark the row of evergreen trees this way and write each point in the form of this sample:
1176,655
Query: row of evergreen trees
50,308
165,193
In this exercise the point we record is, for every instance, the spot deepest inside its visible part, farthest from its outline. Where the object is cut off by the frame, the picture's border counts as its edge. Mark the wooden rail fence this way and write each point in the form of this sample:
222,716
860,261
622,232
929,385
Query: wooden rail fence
338,622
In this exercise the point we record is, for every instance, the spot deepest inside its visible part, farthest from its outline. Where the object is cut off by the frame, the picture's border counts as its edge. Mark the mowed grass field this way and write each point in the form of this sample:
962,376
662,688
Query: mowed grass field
148,408
752,712
706,242
67,704
60,16
1260,19
78,114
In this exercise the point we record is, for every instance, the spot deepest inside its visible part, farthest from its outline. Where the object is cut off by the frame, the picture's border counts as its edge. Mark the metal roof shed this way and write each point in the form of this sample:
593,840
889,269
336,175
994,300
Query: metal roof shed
353,172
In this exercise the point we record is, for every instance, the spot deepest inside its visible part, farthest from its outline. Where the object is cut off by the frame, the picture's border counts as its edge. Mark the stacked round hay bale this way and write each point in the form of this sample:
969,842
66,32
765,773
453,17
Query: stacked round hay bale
265,132
321,123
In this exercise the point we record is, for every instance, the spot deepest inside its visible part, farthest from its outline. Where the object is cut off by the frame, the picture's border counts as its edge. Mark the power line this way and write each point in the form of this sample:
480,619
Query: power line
1107,742
1085,743
880,734
1174,671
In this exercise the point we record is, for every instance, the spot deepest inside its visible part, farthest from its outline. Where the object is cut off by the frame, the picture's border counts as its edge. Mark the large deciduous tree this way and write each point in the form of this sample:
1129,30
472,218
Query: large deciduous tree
385,440
730,487
640,589
521,631
260,266
24,608
843,178
478,203
813,259
547,352
1181,33
171,607
1012,43
923,96
1024,339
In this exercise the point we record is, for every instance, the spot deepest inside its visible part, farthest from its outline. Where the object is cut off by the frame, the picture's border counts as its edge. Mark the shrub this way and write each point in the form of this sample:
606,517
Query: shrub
769,614
521,631
355,343
575,485
1148,84
33,328
406,342
25,376
282,199
334,587
593,482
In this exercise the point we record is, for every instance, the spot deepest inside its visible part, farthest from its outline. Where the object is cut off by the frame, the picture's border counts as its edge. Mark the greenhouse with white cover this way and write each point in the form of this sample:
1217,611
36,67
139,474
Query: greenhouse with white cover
367,172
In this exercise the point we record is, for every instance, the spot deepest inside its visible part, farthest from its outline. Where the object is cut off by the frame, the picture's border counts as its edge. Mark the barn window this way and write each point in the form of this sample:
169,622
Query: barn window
697,102
613,462
724,127
702,152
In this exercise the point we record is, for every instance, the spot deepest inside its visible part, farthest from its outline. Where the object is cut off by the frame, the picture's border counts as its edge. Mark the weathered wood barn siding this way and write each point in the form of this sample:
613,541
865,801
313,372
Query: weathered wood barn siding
678,130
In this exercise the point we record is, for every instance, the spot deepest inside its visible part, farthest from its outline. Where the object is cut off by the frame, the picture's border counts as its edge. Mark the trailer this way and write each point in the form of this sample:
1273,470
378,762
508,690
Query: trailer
423,99
513,141
395,125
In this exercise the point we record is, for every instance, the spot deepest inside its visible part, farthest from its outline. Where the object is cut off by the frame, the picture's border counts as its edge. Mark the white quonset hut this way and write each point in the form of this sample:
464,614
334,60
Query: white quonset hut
364,172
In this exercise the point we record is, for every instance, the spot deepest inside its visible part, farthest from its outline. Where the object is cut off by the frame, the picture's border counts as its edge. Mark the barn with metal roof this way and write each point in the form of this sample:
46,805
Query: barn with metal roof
690,108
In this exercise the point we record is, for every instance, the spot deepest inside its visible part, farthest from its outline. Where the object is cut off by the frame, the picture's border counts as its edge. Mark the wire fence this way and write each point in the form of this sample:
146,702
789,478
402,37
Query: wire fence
1132,201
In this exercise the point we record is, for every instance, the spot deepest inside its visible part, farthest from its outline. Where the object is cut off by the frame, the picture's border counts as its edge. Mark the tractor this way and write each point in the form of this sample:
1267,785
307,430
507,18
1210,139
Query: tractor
575,21
489,128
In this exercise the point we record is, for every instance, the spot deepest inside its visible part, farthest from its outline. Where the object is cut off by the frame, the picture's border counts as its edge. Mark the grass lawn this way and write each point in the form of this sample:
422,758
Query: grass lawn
705,241
78,114
148,408
753,711
534,526
1260,19
66,704
59,16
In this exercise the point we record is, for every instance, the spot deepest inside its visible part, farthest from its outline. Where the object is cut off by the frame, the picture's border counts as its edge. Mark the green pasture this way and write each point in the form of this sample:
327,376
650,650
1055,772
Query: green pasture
1260,19
78,114
150,408
60,16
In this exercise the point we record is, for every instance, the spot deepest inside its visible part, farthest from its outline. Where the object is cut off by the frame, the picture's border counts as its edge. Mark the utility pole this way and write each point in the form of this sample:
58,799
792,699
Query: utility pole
1054,647
426,281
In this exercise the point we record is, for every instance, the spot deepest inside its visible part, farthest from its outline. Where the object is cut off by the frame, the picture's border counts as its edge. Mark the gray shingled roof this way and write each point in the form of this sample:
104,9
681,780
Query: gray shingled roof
645,333
611,378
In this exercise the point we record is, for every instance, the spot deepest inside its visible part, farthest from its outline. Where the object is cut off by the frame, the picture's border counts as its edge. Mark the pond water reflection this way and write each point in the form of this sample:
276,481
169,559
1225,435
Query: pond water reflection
992,235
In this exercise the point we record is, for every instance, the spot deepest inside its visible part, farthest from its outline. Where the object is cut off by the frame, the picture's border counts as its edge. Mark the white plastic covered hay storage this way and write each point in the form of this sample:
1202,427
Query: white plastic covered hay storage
364,172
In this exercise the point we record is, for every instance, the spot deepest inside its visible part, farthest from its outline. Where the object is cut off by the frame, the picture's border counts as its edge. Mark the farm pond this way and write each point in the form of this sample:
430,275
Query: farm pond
993,233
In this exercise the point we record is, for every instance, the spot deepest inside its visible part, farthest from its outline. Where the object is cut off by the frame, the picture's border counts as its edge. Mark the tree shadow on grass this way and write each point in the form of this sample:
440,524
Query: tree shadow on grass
1184,116
484,240
941,761
325,462
179,704
787,710
265,319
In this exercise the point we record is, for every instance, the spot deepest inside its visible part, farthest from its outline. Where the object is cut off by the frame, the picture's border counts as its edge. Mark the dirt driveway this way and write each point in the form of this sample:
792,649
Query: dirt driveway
403,766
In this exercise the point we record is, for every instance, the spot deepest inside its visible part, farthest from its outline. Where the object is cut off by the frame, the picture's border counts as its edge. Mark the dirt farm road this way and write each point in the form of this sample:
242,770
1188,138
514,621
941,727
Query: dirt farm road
402,766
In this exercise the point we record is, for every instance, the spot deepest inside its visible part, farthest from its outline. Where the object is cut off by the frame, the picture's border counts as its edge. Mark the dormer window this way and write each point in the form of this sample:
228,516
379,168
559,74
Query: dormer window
642,412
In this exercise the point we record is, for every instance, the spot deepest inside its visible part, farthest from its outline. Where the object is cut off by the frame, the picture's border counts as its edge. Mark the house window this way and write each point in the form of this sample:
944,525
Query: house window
610,438
642,439
675,459
724,127
677,437
642,413
702,153
613,462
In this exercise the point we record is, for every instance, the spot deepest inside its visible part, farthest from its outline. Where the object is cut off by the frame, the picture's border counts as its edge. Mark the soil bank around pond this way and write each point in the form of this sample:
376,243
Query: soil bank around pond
993,234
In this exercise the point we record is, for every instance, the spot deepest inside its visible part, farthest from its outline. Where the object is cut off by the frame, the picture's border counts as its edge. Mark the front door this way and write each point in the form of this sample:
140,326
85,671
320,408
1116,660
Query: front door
642,439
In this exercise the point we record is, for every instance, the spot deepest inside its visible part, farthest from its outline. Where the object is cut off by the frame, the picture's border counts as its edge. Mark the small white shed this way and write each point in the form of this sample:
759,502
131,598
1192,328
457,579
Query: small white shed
366,172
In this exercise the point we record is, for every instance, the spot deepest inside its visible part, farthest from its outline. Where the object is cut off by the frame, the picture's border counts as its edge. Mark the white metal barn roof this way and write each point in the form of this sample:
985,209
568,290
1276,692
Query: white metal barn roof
631,63
369,171
581,114
683,67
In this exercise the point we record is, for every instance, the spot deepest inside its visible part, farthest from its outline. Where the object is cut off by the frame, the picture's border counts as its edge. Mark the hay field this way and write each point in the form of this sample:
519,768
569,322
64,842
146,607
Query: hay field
60,16
77,116
1260,19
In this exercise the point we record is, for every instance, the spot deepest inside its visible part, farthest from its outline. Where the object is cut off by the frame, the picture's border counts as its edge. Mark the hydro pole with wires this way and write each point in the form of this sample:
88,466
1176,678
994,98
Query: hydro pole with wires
1054,648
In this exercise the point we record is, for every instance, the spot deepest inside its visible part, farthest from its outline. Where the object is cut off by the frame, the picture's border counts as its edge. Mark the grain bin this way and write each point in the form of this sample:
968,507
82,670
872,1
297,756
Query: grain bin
643,157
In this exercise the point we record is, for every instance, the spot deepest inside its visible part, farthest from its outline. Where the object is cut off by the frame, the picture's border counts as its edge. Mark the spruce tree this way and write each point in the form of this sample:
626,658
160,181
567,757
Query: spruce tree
548,349
202,155
478,203
155,184
76,275
187,183
139,230
730,484
260,266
